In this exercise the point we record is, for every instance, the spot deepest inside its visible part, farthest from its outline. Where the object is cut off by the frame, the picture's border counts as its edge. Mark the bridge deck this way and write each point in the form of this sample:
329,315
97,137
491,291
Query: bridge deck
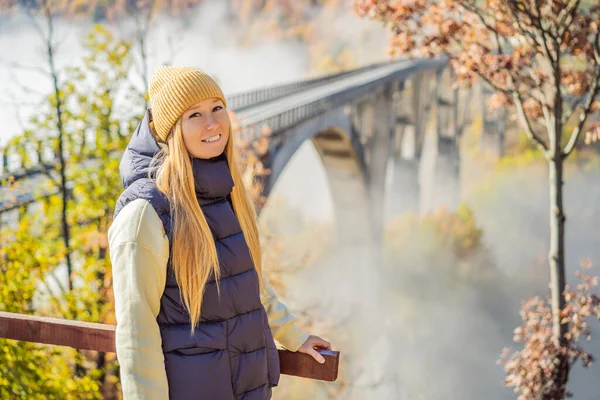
276,107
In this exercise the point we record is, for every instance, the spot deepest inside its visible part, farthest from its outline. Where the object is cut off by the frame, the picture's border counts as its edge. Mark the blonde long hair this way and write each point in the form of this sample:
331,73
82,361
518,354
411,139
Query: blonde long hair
193,250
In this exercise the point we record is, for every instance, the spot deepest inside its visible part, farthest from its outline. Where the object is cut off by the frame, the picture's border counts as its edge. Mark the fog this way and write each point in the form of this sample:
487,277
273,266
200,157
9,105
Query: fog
423,325
407,328
239,59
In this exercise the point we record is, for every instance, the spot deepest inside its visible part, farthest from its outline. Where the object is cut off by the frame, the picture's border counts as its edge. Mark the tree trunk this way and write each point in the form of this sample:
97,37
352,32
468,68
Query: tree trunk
66,230
61,138
556,257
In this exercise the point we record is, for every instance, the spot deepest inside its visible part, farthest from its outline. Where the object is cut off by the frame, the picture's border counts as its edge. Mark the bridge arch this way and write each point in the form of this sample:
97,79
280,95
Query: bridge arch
334,138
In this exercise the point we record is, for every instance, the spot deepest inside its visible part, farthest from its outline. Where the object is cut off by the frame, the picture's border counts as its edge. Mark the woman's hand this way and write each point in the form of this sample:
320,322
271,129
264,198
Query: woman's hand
309,347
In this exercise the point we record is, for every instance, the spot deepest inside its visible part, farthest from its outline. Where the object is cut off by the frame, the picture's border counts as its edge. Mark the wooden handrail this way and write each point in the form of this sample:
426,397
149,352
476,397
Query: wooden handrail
101,337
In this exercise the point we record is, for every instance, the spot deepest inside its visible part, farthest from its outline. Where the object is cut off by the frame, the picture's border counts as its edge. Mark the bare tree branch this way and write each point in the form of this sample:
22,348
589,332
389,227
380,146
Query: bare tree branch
143,37
15,103
37,26
517,7
142,29
49,14
48,173
569,113
521,113
596,47
476,10
519,105
53,297
523,7
517,19
526,124
547,116
538,89
593,92
492,84
18,112
563,16
57,281
12,64
26,89
546,35
173,51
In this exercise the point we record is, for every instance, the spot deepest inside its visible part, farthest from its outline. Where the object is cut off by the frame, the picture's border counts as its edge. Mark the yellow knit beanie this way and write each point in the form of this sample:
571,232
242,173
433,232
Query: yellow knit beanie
175,89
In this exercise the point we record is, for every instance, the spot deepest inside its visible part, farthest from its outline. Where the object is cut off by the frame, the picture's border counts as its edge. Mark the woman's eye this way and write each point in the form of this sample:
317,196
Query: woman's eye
196,114
217,108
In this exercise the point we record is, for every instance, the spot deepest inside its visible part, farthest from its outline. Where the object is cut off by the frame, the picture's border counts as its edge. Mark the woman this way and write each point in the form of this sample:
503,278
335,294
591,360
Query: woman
195,317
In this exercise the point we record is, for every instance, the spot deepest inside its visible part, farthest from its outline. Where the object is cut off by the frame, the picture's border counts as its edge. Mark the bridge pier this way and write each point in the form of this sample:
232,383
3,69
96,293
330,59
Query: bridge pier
402,180
439,177
384,127
439,173
493,125
446,185
402,185
404,198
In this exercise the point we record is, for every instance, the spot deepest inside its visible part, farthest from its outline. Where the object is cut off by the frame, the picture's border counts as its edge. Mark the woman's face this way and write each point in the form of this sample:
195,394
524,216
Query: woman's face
205,128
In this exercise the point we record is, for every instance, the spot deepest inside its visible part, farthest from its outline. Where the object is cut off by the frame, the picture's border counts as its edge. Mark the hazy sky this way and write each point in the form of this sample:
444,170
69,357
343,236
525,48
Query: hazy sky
206,41
204,44
203,38
236,69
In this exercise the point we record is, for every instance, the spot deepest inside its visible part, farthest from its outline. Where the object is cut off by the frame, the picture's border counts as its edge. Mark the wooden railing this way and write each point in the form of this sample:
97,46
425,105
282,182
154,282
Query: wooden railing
101,337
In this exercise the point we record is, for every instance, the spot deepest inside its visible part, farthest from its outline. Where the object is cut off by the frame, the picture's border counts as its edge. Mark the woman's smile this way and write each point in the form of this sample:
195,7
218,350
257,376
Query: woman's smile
212,139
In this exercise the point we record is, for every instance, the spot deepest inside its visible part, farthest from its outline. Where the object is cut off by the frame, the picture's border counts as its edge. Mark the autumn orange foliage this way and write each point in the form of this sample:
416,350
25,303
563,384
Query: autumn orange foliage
542,57
512,45
530,368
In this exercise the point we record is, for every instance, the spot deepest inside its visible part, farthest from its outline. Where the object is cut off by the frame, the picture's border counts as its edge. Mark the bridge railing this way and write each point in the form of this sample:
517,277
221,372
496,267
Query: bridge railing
101,338
281,117
239,101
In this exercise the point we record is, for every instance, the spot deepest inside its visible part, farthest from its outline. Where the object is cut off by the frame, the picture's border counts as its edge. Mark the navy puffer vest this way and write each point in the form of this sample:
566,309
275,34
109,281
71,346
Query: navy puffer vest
232,354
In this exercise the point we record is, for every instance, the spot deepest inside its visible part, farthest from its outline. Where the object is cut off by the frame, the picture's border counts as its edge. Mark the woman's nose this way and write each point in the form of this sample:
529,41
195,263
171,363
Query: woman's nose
211,124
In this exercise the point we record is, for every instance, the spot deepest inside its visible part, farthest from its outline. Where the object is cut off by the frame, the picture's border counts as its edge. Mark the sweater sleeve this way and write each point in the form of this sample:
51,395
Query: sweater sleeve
282,322
139,252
